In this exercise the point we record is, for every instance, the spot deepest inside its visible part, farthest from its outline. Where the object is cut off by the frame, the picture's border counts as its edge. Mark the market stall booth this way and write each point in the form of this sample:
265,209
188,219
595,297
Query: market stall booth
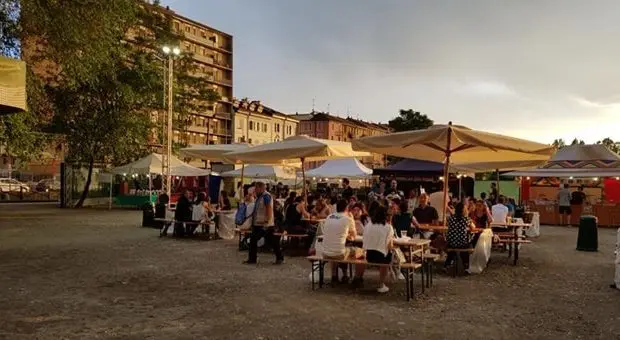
593,168
149,169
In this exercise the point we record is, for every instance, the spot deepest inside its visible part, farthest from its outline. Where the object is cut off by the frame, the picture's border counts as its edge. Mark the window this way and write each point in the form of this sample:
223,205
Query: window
177,26
251,125
277,127
187,29
264,127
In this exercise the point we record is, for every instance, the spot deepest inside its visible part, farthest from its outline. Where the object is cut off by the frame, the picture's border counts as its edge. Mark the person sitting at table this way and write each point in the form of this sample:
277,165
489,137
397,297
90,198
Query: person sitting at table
425,214
402,221
201,213
183,213
294,214
499,213
459,228
361,218
481,215
378,243
337,229
511,207
321,210
224,201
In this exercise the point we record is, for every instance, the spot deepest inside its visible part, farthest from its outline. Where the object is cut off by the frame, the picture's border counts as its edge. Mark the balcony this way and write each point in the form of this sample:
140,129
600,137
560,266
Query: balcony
205,41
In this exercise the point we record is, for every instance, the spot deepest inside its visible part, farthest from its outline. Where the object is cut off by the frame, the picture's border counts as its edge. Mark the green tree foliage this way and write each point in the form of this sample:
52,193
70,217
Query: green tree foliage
107,79
559,143
610,144
408,120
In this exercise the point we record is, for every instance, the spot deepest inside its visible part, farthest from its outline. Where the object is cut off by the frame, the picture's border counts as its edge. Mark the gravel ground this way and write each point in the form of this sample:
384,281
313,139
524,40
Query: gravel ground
94,274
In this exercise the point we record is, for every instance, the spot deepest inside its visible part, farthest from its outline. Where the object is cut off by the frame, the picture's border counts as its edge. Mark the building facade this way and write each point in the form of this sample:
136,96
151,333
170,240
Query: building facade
257,124
212,51
327,126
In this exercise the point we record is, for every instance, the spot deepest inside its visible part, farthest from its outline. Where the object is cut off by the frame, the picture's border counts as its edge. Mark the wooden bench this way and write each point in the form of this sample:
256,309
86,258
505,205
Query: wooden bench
318,263
513,244
458,262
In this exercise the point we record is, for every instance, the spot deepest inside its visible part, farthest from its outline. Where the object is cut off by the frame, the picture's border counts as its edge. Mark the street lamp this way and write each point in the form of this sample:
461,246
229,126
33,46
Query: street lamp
171,53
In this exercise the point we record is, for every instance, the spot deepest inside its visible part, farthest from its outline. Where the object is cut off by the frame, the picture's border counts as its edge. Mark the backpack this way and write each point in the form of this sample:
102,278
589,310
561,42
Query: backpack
240,215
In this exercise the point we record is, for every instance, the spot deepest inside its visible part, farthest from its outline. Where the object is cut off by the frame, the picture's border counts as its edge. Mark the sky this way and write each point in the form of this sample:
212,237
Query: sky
538,70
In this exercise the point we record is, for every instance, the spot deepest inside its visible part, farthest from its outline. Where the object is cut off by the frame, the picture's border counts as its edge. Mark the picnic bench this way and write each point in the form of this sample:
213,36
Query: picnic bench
512,238
188,226
408,269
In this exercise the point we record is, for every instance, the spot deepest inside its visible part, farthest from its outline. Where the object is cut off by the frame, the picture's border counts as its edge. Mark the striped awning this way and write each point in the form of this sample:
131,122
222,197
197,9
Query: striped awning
12,85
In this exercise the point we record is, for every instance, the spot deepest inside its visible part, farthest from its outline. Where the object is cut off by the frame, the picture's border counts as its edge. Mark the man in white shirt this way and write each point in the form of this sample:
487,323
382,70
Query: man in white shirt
338,227
499,211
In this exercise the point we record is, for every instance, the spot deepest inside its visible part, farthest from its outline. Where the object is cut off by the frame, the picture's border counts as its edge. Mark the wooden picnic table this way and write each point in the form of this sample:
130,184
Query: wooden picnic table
516,240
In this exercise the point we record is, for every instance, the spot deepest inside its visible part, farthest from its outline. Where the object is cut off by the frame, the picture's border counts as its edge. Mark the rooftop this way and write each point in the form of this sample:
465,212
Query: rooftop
323,116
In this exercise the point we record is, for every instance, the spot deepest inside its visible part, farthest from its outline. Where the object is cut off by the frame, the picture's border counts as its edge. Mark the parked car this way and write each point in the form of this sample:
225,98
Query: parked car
48,184
12,185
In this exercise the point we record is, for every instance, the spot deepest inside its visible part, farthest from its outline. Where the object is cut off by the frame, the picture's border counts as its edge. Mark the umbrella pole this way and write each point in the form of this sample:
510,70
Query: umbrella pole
303,176
497,183
150,188
111,184
242,173
460,186
446,174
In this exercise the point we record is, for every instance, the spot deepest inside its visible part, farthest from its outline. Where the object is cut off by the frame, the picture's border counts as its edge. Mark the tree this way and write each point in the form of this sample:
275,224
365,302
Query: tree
410,120
103,77
577,142
559,143
610,144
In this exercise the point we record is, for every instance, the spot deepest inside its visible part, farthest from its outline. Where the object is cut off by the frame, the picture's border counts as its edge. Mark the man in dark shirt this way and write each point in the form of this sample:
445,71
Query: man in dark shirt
347,191
578,197
425,214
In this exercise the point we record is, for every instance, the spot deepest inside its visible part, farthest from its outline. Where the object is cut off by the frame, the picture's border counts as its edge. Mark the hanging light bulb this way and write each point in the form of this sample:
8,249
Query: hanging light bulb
441,178
528,178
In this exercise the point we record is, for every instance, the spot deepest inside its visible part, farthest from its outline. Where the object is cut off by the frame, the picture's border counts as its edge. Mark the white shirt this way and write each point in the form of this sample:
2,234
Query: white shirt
198,212
500,213
436,201
335,231
377,237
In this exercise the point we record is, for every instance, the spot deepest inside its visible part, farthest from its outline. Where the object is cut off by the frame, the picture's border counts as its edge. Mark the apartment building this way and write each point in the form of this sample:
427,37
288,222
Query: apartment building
212,50
327,126
256,123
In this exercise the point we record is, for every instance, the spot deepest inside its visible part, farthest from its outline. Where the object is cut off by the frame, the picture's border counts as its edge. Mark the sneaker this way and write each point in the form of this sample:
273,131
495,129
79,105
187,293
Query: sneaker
383,289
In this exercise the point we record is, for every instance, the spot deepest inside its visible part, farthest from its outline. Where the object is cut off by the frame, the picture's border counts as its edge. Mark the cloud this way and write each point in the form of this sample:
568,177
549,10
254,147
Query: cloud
487,88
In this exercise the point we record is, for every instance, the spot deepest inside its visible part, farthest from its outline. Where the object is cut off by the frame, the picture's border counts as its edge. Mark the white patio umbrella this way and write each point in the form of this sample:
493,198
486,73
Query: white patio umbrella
302,148
212,152
340,168
263,171
454,144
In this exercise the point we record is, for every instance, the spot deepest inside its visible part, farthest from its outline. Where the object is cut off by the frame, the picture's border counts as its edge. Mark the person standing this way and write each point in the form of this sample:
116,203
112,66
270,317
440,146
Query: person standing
578,197
347,191
263,225
493,195
564,198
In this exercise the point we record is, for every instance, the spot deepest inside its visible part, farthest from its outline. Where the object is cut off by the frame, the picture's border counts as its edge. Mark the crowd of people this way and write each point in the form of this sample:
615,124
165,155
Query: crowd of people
378,217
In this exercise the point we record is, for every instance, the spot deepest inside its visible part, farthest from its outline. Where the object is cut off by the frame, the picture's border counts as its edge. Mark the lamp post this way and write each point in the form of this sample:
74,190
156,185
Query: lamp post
171,53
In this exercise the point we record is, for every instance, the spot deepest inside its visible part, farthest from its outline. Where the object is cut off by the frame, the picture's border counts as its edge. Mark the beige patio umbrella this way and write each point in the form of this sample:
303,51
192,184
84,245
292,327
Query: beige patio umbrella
302,148
454,144
12,85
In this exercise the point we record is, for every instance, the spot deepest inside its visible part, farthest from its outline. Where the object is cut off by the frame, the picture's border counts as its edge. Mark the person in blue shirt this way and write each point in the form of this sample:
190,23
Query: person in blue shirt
510,204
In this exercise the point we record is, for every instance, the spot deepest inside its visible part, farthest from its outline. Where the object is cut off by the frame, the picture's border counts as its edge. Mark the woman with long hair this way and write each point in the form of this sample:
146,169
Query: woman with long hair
378,243
459,228
360,216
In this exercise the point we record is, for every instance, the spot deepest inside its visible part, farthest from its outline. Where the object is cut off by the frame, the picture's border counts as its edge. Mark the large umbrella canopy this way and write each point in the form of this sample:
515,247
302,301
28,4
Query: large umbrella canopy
340,168
12,85
151,164
298,147
263,172
494,166
461,144
212,152
453,143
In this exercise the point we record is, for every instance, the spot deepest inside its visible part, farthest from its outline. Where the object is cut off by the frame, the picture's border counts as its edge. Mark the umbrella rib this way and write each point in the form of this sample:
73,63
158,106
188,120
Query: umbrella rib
464,147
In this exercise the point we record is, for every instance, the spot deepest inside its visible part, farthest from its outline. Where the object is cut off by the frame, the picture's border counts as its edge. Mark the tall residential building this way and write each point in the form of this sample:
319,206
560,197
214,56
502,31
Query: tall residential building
327,126
256,123
212,50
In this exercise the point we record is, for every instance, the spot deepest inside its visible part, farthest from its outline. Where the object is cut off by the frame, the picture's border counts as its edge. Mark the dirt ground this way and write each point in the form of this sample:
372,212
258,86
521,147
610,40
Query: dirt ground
95,274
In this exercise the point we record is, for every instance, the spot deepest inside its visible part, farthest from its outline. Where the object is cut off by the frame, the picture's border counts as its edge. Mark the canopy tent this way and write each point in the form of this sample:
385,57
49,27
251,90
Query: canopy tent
578,161
12,85
212,152
301,148
152,164
339,168
454,144
263,172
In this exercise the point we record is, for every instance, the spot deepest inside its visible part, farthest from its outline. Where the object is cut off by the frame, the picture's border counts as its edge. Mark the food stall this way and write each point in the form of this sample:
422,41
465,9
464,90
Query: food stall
593,167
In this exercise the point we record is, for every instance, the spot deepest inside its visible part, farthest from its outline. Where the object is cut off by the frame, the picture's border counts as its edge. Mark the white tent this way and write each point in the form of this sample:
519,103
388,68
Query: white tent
263,172
341,168
152,164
